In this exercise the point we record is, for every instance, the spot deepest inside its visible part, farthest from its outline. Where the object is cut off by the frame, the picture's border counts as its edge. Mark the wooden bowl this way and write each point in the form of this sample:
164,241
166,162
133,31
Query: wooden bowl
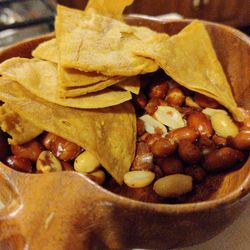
65,210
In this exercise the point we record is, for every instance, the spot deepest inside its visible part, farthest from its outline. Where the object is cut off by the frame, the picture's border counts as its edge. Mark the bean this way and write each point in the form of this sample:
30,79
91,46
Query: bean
86,162
174,185
185,133
191,103
47,162
152,138
66,166
197,173
65,150
138,179
158,90
140,127
171,165
222,159
97,176
240,141
30,150
163,147
144,157
189,152
201,123
175,97
206,145
19,163
48,139
152,105
205,102
223,125
219,140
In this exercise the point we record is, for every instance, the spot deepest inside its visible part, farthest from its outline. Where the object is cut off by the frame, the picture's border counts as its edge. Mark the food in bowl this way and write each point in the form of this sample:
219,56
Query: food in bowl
68,108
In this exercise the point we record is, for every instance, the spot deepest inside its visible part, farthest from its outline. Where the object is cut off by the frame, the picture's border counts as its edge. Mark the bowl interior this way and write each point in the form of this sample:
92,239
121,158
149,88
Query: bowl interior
233,51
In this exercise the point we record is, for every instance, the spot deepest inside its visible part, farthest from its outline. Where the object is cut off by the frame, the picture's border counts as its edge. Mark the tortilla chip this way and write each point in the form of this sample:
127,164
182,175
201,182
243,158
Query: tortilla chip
101,44
40,78
20,129
109,134
190,59
131,84
109,7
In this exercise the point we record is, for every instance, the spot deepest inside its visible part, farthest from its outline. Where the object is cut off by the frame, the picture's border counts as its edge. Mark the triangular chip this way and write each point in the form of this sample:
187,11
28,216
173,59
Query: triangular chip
190,59
20,129
109,134
40,78
109,7
131,84
101,44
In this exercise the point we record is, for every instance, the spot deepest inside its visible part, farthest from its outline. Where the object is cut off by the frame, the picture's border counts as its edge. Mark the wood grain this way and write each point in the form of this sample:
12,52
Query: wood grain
65,210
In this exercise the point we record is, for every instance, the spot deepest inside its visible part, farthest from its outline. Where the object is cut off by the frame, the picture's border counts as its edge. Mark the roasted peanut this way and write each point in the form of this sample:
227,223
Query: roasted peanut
144,157
240,141
171,165
19,163
65,150
191,103
205,102
170,117
174,185
189,152
152,105
219,141
175,97
138,179
140,127
47,162
4,147
48,139
206,145
163,147
158,90
97,176
223,125
222,159
30,150
152,126
196,172
185,133
86,162
66,166
201,123
151,139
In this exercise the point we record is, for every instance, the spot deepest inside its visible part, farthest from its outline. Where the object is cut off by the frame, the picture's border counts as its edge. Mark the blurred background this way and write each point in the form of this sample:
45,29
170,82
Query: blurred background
20,19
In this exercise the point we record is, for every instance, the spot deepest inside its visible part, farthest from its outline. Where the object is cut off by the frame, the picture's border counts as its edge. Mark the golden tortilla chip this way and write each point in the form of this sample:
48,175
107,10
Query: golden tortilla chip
101,44
40,78
111,140
190,59
109,7
20,129
131,84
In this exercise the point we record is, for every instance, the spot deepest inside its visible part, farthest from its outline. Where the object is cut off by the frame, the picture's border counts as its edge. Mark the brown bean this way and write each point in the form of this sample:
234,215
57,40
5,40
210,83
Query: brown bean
65,150
189,152
144,158
196,172
48,139
171,165
4,147
163,147
184,133
30,150
205,101
201,123
158,90
19,163
152,105
140,127
206,145
66,166
222,159
152,138
175,97
186,111
219,140
240,141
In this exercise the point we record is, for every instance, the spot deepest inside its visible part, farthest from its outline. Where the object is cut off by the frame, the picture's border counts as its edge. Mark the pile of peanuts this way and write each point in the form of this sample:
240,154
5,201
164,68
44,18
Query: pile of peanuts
50,153
181,137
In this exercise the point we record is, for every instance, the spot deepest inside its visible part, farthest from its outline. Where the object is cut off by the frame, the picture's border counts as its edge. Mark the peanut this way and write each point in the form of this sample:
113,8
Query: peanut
138,179
163,147
158,90
174,185
175,97
97,176
86,162
205,102
240,141
184,133
171,165
47,162
19,163
197,173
